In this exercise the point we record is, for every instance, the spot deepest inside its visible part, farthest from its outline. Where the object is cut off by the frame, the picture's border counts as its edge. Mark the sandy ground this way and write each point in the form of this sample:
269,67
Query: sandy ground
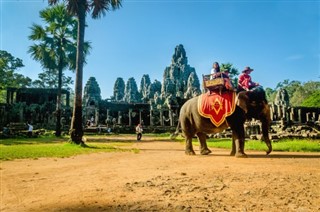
162,178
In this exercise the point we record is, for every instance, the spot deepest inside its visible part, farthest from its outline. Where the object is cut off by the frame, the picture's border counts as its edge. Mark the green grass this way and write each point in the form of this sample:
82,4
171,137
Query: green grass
50,146
288,145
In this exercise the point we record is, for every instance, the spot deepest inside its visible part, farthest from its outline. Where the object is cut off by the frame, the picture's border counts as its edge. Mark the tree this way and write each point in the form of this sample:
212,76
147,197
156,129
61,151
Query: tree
290,86
270,94
80,8
313,100
9,78
55,47
49,78
303,92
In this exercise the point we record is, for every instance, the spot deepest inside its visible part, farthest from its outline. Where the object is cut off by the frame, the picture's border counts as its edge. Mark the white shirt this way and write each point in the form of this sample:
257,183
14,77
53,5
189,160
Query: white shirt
30,128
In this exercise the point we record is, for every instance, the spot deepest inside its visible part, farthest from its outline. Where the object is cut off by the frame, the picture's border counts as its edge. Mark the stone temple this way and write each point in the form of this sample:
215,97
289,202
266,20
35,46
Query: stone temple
153,103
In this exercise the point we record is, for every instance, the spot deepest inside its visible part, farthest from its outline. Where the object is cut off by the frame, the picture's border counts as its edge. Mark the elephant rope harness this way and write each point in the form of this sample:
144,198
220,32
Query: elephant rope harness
217,106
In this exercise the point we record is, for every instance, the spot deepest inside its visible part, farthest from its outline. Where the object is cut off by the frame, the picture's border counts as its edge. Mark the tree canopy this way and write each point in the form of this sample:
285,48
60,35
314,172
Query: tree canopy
9,65
300,94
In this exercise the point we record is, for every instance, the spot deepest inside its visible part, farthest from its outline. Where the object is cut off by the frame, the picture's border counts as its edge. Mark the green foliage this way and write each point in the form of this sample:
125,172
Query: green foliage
312,101
289,145
49,78
270,94
233,72
55,45
298,92
9,78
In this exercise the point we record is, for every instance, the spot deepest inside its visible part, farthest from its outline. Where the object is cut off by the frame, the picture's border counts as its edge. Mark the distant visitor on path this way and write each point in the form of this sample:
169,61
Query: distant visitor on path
30,128
245,82
139,132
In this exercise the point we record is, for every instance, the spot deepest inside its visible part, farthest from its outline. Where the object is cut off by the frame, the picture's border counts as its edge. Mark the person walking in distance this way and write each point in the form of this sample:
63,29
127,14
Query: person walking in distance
139,132
30,128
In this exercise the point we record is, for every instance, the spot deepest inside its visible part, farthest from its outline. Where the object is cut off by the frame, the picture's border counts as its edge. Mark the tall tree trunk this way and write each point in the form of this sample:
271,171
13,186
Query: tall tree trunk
58,106
76,128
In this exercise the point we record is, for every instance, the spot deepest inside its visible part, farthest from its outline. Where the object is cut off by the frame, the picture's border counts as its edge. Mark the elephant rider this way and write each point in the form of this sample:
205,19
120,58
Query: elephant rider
245,82
227,81
215,71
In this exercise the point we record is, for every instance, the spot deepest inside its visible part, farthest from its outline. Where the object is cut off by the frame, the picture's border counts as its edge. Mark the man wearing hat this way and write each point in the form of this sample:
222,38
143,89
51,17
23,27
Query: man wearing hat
245,82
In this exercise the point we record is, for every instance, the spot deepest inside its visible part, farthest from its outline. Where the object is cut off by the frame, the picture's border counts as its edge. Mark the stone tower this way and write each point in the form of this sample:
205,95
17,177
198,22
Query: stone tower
180,80
91,100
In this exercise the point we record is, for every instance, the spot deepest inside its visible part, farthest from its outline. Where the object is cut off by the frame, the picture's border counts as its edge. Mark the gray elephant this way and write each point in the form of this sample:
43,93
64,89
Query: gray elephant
249,104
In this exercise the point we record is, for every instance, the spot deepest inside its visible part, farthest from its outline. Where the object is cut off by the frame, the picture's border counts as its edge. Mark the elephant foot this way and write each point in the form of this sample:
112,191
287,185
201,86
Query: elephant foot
232,153
205,152
241,155
268,152
190,152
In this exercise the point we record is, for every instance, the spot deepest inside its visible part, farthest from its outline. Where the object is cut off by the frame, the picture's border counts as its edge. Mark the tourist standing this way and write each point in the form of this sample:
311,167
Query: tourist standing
139,132
30,128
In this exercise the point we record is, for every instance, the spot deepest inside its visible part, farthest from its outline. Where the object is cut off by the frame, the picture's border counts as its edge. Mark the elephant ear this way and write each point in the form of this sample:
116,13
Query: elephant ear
242,101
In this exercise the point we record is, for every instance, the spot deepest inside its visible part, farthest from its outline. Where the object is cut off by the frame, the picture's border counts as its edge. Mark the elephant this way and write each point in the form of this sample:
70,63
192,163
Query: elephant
249,104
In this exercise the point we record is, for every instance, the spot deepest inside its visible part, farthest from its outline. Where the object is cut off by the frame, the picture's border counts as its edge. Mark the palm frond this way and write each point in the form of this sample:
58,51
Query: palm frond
100,7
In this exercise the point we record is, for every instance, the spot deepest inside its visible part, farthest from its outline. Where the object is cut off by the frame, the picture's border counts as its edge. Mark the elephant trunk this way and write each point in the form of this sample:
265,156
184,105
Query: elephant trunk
176,133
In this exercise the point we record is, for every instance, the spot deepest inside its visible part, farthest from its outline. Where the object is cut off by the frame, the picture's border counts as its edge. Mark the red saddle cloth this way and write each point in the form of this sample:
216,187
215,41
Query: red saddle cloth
217,106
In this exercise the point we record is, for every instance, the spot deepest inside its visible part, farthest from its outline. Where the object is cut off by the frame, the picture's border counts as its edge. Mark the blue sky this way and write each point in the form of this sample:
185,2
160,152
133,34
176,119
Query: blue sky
278,39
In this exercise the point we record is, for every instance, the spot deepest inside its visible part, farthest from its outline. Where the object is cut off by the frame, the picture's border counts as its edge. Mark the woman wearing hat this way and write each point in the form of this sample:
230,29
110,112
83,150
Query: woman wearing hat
245,82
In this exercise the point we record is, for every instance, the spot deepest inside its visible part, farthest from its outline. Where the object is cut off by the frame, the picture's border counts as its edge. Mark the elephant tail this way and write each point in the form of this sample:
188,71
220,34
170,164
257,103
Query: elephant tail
176,133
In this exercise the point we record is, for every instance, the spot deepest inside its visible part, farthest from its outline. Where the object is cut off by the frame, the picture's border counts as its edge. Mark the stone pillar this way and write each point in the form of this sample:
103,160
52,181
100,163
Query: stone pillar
119,117
292,114
314,116
161,118
284,112
140,116
171,118
272,112
130,117
279,112
299,116
308,117
151,118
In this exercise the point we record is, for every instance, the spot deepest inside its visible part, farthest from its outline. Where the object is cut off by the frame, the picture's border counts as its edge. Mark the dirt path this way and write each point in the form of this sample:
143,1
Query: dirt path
162,178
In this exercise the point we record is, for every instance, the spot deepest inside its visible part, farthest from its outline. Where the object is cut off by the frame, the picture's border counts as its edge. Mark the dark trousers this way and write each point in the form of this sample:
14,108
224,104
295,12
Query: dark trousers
139,135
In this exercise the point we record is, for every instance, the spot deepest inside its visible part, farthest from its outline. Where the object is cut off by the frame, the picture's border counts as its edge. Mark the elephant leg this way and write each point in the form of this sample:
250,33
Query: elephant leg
238,136
265,133
189,147
204,150
233,150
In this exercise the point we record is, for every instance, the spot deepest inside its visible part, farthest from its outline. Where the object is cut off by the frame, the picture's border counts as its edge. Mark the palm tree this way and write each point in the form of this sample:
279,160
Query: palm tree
55,46
79,8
